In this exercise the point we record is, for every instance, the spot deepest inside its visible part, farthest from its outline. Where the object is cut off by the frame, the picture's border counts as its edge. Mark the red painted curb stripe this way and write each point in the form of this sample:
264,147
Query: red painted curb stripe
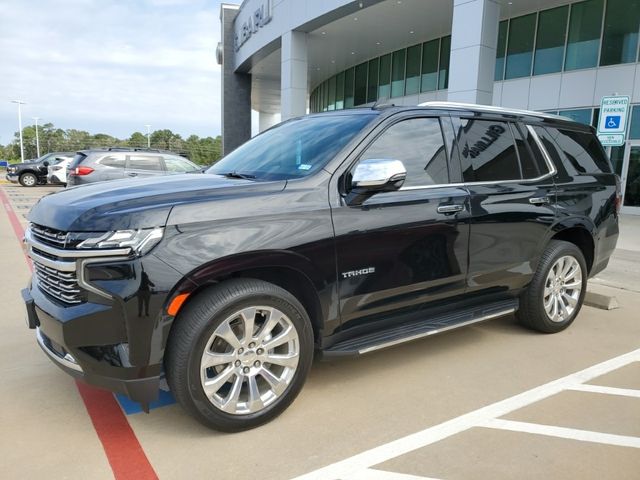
121,446
15,224
124,452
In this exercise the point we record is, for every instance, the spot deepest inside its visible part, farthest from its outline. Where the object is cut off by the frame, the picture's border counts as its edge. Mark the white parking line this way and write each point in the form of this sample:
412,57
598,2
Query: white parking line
377,455
562,432
626,392
371,474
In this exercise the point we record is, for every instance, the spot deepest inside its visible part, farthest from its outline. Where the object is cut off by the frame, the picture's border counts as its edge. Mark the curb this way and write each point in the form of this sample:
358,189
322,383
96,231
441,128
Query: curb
598,300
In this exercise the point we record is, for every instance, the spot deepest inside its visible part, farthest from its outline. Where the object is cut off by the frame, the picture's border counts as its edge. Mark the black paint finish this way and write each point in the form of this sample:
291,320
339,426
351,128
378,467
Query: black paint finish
357,266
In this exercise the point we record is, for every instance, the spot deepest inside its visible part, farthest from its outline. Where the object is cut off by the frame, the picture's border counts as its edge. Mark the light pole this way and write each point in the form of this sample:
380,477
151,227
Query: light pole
37,137
148,136
20,103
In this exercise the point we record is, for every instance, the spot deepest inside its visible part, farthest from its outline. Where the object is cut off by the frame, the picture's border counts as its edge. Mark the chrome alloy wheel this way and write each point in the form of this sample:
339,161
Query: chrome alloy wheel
250,360
562,288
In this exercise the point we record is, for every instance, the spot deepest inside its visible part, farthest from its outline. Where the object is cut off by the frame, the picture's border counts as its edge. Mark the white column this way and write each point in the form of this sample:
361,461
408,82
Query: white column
474,38
267,120
293,75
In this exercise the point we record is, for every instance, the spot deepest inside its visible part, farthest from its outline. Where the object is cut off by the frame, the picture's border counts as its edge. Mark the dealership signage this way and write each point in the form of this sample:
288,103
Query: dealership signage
258,18
612,123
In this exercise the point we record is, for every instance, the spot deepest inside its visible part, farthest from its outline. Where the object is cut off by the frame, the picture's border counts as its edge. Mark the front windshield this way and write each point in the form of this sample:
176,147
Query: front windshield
293,149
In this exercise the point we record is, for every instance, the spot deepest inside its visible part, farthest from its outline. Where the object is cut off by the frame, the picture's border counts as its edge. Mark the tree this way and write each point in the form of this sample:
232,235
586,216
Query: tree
137,139
203,151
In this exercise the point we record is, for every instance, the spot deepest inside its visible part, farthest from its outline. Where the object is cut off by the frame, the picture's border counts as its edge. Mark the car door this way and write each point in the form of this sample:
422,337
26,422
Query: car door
400,250
111,167
139,165
513,200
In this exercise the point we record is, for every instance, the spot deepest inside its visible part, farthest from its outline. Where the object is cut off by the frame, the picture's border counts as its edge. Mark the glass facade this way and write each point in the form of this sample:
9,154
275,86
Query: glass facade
585,25
579,35
419,68
397,73
550,39
620,36
430,62
520,46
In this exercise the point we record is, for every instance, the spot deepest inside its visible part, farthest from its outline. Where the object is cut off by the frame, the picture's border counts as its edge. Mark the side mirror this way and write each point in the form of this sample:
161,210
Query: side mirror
45,163
378,175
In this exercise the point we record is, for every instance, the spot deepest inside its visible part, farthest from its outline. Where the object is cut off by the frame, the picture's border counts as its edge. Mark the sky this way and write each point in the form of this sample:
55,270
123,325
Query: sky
110,66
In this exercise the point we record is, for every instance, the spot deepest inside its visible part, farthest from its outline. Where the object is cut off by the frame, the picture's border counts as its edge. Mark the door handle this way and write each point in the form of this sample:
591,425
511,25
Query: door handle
132,174
448,209
539,201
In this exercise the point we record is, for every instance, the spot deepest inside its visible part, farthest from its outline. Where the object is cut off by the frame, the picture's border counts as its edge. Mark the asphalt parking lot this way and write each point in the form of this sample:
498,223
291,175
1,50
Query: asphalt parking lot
489,401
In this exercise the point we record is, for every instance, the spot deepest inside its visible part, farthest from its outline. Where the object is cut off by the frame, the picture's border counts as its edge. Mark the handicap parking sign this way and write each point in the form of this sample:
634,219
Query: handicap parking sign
612,121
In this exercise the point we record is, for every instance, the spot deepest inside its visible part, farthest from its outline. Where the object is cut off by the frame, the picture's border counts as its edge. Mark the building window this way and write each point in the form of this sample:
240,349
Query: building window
430,52
550,40
582,115
348,88
634,129
384,90
445,54
520,46
332,93
340,91
502,45
585,24
372,88
620,36
412,84
360,95
397,73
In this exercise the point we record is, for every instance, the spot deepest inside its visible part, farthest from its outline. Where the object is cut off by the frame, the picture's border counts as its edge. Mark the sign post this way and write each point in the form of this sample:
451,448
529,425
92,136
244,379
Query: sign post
612,123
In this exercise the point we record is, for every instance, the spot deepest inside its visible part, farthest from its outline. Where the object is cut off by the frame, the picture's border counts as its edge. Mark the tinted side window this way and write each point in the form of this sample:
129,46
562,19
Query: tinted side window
418,143
582,150
530,164
112,161
488,149
139,162
177,164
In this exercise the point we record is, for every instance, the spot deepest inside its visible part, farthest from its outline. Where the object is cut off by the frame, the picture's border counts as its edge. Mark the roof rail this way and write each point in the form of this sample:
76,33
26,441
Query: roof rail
490,109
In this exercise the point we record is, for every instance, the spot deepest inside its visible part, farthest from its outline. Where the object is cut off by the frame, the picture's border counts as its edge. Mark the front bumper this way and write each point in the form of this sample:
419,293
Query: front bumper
53,337
115,336
12,177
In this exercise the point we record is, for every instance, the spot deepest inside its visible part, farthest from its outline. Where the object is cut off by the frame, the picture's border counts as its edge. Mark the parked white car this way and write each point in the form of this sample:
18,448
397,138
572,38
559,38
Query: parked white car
57,174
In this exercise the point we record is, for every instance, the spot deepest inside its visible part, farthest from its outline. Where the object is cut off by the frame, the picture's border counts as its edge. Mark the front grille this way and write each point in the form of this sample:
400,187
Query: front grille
49,236
62,286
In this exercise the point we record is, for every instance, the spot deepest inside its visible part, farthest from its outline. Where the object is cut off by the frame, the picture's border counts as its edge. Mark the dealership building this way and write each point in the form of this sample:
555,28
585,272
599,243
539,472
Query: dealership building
284,58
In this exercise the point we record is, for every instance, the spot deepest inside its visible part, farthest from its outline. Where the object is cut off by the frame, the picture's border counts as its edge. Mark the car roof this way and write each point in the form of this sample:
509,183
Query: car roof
520,114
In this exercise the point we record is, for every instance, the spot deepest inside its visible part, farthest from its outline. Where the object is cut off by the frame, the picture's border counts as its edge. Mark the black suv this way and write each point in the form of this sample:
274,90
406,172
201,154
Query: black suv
34,172
100,164
342,233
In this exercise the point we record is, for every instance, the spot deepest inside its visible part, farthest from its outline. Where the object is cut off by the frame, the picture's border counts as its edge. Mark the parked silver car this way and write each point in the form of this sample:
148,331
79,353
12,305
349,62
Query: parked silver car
99,165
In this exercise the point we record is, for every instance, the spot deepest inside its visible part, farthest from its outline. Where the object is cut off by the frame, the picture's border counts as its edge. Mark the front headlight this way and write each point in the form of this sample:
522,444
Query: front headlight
140,241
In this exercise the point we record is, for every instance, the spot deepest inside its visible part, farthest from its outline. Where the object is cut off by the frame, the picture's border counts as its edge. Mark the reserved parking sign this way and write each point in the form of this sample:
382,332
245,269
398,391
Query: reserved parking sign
612,123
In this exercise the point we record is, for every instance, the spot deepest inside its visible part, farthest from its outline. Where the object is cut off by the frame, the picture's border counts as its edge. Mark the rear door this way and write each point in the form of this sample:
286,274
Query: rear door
406,248
512,197
139,165
111,167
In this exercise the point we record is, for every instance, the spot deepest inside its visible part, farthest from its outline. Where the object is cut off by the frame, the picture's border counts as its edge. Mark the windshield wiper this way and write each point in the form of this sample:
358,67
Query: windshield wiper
235,174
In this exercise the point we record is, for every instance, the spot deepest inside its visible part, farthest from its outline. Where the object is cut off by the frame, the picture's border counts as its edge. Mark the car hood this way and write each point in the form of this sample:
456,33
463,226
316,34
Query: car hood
138,203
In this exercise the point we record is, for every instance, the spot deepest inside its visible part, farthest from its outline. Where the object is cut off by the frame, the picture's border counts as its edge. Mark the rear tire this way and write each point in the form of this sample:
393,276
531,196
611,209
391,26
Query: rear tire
239,353
555,295
28,180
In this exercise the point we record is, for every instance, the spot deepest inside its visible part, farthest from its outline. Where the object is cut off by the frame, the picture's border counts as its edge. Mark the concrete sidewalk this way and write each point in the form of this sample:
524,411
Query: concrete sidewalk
624,267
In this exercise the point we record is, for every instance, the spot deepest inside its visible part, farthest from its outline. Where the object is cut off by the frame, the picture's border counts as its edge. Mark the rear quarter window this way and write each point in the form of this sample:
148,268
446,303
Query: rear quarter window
582,151
77,160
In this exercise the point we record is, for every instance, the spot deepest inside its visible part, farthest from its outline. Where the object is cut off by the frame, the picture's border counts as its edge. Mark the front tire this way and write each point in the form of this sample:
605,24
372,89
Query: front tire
239,354
554,298
28,180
